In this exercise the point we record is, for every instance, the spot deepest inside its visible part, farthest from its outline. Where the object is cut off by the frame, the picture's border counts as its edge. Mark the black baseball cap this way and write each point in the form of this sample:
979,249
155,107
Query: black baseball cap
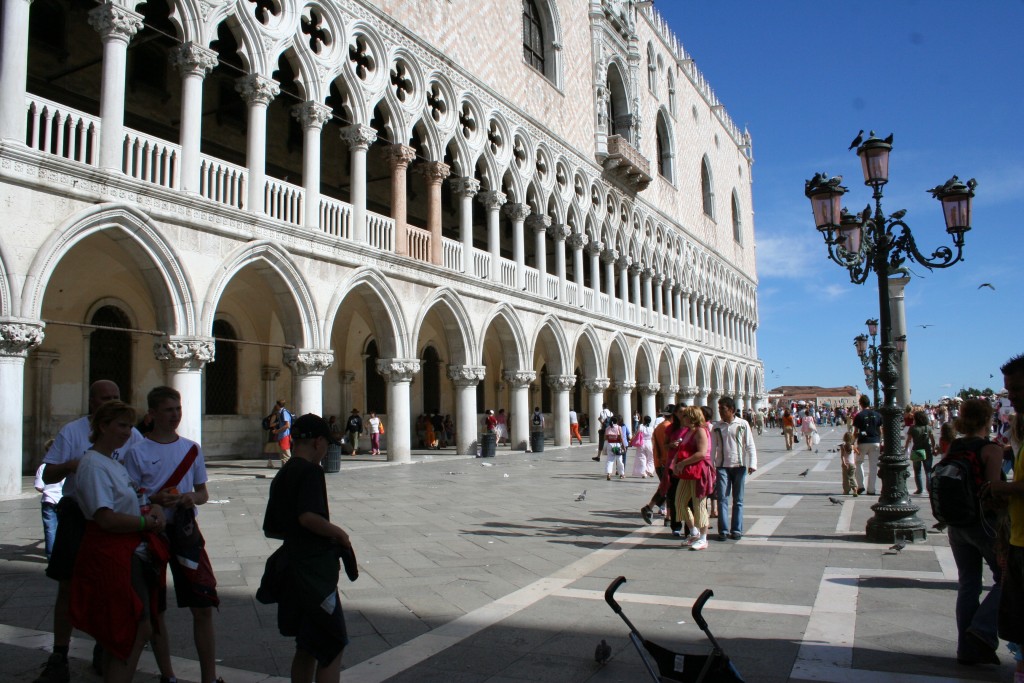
310,426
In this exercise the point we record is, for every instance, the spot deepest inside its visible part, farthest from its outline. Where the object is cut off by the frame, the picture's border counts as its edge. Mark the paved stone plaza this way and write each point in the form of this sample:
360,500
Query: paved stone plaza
489,570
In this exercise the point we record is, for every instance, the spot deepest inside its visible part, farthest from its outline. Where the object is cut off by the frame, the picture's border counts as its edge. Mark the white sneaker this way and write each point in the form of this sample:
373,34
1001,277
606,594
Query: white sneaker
699,544
691,539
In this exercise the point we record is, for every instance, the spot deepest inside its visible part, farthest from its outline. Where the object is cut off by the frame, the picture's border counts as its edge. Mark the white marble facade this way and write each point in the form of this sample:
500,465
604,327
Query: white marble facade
346,203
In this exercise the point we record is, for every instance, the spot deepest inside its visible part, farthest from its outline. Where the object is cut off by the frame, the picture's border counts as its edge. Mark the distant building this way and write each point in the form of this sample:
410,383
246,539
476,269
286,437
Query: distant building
832,397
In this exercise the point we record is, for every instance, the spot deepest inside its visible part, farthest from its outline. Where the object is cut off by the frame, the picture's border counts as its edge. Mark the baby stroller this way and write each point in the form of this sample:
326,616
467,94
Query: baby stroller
674,667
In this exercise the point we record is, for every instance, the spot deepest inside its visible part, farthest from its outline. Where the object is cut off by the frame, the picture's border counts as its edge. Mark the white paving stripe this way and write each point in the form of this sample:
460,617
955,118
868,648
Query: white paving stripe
764,526
846,516
687,602
821,466
787,502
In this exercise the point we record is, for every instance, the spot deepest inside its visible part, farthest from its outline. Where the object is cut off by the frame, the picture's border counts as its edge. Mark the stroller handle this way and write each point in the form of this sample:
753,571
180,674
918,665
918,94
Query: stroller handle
609,594
698,607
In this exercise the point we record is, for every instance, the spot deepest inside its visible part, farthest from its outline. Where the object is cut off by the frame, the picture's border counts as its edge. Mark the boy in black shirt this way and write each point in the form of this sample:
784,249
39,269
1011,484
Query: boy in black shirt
302,575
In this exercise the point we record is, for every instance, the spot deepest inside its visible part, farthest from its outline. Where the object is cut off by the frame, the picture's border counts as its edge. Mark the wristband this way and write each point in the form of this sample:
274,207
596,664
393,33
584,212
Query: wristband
142,522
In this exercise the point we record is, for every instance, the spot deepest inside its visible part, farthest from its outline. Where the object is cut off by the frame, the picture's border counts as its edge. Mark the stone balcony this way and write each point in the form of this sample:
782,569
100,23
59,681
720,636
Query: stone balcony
625,164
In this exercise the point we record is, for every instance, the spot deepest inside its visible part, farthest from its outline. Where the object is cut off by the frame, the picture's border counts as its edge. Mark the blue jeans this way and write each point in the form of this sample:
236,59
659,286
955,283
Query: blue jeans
973,548
49,526
733,478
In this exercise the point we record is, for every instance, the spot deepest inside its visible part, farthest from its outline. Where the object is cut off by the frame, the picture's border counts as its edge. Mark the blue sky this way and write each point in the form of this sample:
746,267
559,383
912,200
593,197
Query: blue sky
947,79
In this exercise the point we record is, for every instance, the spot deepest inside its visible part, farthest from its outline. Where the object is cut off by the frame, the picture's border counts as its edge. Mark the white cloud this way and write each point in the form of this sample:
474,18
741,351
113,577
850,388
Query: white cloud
782,257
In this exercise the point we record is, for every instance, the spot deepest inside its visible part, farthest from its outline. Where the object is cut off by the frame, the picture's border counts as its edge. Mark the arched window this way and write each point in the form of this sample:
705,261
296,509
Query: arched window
431,374
110,350
671,92
663,147
222,372
652,69
707,193
737,225
618,115
376,387
533,36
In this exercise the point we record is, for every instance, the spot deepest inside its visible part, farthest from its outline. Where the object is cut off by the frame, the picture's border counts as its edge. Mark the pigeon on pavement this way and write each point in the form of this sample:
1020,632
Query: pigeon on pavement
835,501
898,546
803,474
582,496
603,652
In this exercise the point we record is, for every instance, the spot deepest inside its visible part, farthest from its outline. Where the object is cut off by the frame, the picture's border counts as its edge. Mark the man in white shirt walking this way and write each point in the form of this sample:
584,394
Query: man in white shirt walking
735,456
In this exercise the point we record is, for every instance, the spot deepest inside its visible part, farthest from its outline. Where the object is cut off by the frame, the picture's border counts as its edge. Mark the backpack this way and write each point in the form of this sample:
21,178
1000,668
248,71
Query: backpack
537,419
266,423
956,481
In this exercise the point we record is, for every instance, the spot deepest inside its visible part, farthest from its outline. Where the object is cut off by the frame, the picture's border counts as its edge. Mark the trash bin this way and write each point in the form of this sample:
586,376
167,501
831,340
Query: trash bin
332,463
537,442
488,444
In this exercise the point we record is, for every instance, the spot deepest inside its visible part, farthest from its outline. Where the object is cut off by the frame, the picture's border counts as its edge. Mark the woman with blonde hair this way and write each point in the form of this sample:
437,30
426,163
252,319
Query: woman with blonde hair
690,437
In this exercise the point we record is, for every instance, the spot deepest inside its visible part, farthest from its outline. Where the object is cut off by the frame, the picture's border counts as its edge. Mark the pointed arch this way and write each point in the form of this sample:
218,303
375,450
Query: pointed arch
458,324
558,351
384,304
594,363
707,190
511,333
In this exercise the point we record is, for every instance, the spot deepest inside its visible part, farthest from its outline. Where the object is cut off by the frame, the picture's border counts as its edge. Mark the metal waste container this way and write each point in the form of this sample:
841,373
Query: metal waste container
488,444
537,442
332,463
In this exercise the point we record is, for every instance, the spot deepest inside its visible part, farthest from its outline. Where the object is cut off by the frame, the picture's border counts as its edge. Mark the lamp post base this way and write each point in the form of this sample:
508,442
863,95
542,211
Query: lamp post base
895,522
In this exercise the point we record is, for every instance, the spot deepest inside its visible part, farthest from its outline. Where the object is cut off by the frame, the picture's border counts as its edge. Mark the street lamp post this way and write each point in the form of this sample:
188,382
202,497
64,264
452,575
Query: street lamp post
868,354
864,243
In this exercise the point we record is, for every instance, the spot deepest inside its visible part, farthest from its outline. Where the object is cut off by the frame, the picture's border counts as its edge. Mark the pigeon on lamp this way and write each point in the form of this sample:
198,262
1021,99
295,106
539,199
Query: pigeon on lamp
603,652
899,214
888,140
857,140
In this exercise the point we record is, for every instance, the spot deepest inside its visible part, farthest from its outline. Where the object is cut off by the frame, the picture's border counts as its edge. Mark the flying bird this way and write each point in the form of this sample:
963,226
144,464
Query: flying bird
835,501
582,496
803,474
603,652
898,546
927,326
987,284
857,140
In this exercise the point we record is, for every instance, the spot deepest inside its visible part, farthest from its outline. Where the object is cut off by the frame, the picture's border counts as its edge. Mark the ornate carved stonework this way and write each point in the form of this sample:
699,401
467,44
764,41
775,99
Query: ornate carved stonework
560,231
635,269
304,362
312,114
464,187
688,391
648,388
539,223
623,263
625,387
358,136
562,382
598,385
517,212
400,156
609,255
184,353
18,337
519,378
671,389
467,375
398,369
434,171
492,200
115,23
256,89
578,240
193,59
595,248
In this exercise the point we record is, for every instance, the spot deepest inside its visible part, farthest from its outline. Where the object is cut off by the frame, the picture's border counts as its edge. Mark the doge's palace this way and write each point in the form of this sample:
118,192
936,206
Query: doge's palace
402,206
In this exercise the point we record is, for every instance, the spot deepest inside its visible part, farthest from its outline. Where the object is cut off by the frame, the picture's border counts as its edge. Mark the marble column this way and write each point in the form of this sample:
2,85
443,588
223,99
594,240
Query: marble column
258,92
634,274
668,395
657,280
647,275
691,298
183,359
624,399
493,201
648,391
539,225
399,157
898,325
689,394
465,189
519,425
358,138
595,394
194,62
561,385
624,263
701,397
398,372
434,172
517,213
560,233
466,378
308,368
269,375
42,404
13,69
117,26
18,336
595,249
609,257
312,116
577,241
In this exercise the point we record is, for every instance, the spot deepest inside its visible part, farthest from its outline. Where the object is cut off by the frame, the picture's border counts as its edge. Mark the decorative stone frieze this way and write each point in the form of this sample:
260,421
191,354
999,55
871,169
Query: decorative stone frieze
312,114
358,137
519,378
257,90
114,22
19,336
193,59
467,375
562,382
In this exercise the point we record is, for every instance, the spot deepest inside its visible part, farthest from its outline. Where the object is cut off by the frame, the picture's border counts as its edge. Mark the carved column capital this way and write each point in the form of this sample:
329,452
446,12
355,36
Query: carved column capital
519,378
625,387
312,114
398,369
597,385
595,248
114,22
184,353
192,59
464,187
358,136
560,231
578,240
657,278
635,269
517,212
257,90
623,262
562,382
399,156
609,255
492,200
648,388
305,362
671,389
647,273
434,171
18,336
467,375
539,222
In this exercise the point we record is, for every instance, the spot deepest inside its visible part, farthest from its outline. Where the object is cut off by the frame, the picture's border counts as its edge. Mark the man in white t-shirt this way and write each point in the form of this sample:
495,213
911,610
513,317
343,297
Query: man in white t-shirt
61,463
374,429
160,466
574,427
602,420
